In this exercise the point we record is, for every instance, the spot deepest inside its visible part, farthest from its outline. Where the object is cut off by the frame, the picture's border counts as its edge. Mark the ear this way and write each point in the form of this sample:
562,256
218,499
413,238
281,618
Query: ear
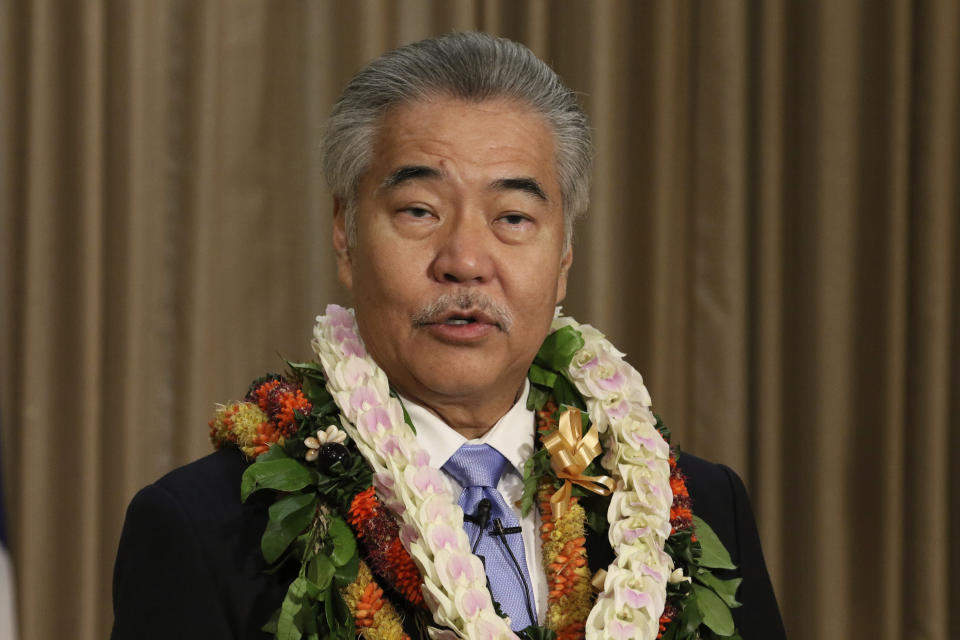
565,263
341,245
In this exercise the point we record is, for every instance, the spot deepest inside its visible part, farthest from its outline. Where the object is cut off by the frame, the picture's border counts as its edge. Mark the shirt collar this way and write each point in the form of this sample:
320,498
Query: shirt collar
512,435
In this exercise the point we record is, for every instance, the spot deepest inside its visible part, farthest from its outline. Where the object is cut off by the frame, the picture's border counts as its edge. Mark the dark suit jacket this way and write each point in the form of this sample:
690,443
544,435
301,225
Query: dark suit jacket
189,562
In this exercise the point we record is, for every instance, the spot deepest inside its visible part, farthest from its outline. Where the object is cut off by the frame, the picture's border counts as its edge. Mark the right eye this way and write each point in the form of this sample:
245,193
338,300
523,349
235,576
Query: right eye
416,212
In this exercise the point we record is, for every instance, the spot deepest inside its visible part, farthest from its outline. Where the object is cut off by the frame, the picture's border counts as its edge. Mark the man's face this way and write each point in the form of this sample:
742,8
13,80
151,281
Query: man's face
459,258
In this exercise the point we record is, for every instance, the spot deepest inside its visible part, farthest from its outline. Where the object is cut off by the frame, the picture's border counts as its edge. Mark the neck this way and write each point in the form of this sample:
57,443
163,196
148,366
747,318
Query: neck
470,419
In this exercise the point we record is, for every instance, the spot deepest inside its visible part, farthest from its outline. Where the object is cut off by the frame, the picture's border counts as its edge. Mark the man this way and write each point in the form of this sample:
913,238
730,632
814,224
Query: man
458,165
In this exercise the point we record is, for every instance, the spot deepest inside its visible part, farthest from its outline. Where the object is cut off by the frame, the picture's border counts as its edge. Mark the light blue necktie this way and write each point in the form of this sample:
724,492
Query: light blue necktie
478,467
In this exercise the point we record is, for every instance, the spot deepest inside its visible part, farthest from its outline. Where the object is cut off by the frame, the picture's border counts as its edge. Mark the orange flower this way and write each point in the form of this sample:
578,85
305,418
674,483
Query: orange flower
406,577
280,400
669,613
681,514
374,615
362,508
289,402
564,554
546,421
379,534
367,606
573,631
262,394
560,572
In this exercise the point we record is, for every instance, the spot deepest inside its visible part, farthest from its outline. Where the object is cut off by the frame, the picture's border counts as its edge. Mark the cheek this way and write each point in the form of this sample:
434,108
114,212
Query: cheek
539,282
386,278
561,288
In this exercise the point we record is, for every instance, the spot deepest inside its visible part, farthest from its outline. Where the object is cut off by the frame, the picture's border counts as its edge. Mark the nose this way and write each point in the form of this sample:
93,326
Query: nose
463,252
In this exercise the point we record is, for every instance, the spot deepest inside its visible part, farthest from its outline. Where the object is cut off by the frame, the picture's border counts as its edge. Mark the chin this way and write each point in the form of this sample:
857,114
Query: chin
455,380
453,386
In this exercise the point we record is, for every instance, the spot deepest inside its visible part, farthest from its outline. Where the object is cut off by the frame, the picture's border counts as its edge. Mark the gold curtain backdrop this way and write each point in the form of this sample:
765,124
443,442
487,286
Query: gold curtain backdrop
773,240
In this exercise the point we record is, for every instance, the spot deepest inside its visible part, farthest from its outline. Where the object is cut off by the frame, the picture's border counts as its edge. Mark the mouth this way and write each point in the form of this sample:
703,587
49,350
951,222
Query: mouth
462,327
462,317
463,314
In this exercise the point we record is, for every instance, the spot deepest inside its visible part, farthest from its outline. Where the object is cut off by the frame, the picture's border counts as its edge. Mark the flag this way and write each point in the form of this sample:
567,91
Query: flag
8,608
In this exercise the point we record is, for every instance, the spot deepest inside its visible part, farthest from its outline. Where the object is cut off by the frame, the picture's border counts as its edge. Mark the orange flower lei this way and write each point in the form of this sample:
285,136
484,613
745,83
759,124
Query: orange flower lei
570,595
565,558
265,417
379,534
375,617
681,519
270,415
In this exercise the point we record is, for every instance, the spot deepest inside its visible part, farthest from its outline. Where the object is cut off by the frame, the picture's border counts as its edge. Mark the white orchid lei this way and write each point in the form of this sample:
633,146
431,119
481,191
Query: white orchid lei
634,591
322,486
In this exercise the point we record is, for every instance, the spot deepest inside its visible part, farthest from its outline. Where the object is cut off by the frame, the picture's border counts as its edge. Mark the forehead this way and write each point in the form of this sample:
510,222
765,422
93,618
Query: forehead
465,140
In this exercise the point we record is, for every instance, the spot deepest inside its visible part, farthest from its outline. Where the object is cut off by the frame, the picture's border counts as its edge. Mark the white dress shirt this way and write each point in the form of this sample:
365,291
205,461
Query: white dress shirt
512,436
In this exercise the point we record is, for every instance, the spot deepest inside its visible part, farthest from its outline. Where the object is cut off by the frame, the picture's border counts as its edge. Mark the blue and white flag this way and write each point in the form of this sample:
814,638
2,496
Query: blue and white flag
8,608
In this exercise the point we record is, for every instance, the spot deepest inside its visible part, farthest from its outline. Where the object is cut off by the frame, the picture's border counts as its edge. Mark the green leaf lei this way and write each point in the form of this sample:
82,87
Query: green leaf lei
702,604
306,523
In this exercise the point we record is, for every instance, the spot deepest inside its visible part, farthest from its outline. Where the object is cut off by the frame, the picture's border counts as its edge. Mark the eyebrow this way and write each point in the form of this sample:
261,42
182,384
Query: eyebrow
405,174
408,173
527,185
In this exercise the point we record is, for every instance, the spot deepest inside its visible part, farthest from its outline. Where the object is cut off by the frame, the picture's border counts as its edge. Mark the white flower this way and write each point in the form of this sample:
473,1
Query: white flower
634,590
677,576
332,435
374,420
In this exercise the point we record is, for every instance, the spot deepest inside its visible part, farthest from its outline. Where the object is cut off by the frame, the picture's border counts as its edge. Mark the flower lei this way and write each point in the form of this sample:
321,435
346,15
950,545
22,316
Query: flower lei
405,518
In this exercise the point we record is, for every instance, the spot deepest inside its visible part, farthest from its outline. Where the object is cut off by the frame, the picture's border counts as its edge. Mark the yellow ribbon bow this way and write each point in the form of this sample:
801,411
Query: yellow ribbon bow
570,453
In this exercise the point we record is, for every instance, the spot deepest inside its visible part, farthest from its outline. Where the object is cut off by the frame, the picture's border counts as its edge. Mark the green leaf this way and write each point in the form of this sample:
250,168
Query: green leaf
539,375
280,472
537,398
307,618
344,544
347,573
320,571
315,391
680,547
664,430
558,349
597,521
672,632
726,589
329,612
307,370
716,614
288,517
273,453
713,555
271,625
343,619
287,628
408,420
533,470
566,394
535,632
690,617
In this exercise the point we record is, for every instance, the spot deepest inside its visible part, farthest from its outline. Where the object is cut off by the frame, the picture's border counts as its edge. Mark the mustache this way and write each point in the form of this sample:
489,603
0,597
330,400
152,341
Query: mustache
446,303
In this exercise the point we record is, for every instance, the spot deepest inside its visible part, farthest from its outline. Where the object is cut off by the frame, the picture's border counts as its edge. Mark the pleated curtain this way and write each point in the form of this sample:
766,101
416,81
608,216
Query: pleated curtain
772,239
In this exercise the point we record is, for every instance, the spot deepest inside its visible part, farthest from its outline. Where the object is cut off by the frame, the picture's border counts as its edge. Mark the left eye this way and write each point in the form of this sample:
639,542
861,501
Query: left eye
514,218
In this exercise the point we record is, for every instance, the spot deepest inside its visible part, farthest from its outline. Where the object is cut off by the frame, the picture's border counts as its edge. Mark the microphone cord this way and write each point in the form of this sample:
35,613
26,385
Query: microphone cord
480,518
499,531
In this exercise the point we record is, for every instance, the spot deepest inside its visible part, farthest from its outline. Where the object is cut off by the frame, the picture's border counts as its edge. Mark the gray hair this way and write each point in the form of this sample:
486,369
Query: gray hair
468,66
